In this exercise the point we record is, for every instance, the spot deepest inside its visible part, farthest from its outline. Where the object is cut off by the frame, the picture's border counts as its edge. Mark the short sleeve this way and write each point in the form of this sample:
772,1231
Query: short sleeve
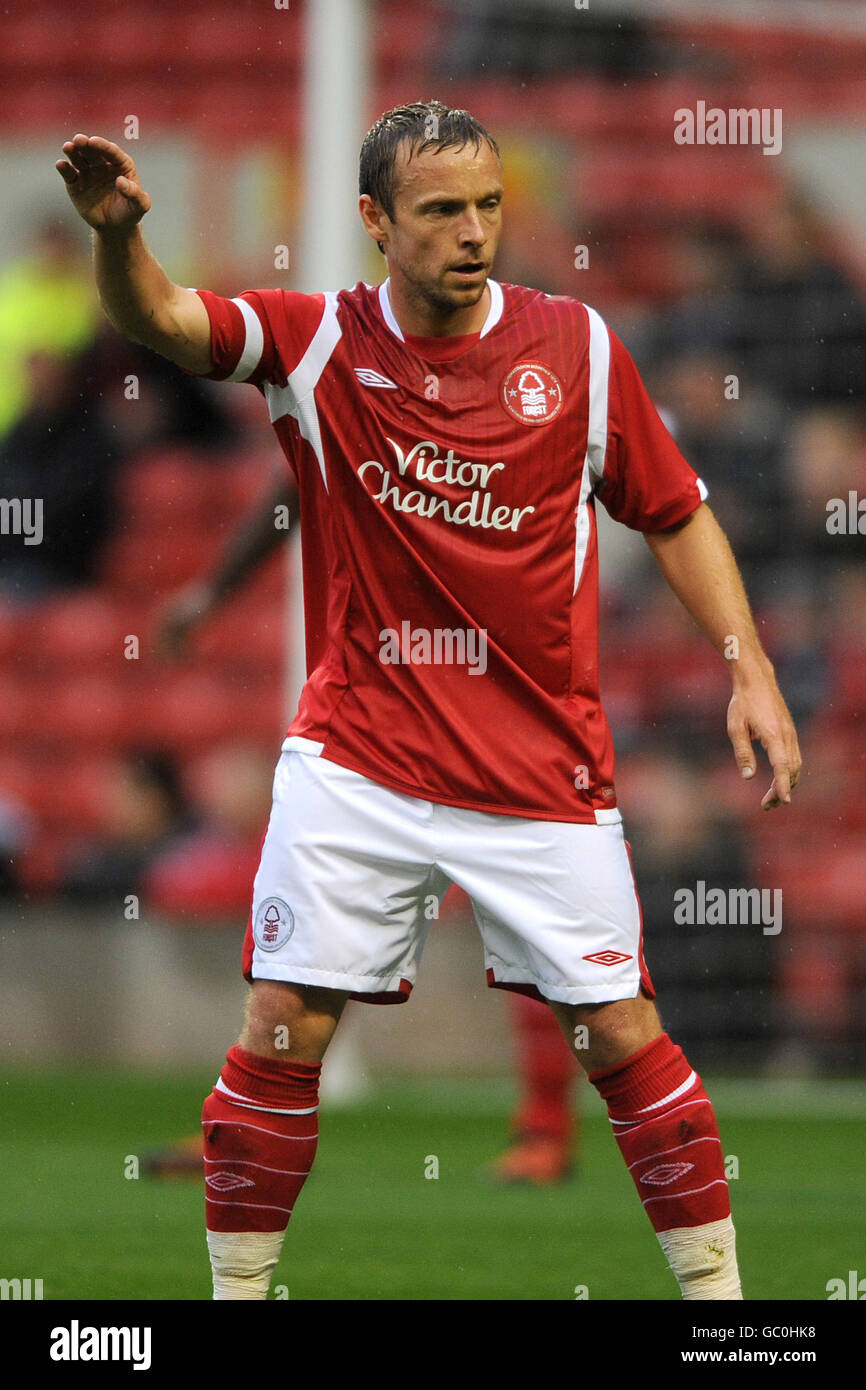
645,482
262,335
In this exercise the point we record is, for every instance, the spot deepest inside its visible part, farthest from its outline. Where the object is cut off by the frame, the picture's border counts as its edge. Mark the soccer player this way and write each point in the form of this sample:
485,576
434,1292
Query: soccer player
449,436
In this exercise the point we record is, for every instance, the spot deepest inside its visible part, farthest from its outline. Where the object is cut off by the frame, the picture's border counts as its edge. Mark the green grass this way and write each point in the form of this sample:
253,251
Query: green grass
369,1225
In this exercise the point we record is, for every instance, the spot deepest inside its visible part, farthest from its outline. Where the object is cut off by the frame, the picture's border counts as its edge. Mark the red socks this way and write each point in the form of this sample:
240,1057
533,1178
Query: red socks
666,1130
546,1067
260,1132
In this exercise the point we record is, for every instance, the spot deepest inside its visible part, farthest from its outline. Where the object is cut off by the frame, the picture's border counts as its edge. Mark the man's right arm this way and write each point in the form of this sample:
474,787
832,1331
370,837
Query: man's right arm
135,292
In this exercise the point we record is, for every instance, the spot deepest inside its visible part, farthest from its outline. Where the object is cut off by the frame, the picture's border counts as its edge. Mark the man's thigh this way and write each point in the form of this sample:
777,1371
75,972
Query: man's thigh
341,900
556,904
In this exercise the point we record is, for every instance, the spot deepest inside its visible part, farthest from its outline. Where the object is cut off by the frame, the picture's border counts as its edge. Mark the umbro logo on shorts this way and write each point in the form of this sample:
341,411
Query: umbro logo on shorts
368,377
607,957
273,925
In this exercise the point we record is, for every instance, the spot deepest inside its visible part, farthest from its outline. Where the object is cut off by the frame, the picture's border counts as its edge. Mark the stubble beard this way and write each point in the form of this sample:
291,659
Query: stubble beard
433,295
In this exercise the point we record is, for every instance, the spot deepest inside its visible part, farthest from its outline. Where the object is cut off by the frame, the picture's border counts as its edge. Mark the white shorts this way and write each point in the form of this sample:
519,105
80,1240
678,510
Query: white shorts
352,873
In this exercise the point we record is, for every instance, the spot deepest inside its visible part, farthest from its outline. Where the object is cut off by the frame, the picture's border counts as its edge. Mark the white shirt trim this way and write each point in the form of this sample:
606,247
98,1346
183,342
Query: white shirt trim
596,434
254,343
388,312
297,397
494,313
497,304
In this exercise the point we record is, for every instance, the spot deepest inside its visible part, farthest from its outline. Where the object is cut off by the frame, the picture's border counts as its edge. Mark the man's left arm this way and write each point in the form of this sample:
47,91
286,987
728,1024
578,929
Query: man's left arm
696,560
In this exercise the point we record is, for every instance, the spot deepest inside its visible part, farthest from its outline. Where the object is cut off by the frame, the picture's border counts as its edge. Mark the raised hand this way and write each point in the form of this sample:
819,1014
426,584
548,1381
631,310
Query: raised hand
102,181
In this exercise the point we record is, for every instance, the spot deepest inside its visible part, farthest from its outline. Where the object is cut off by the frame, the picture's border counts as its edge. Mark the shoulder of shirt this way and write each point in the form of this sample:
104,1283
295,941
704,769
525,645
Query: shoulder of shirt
522,296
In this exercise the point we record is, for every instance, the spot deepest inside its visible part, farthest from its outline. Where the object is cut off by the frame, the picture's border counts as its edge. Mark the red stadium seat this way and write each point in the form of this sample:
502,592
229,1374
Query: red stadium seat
17,775
259,711
79,711
13,626
157,562
16,710
129,41
83,630
167,483
189,710
35,44
39,868
248,635
210,875
68,794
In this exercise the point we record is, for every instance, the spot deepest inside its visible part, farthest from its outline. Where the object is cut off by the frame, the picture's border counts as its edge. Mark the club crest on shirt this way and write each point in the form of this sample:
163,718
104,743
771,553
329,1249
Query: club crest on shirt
273,924
532,394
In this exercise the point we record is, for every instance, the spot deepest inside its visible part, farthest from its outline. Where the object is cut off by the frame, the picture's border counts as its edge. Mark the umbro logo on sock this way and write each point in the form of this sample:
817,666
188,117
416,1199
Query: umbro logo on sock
666,1173
225,1182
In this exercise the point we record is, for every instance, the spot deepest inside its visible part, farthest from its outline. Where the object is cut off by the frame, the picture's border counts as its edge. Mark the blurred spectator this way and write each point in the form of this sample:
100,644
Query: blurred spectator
771,301
801,323
16,833
819,864
826,460
539,39
700,314
733,441
210,872
794,613
146,810
47,306
716,978
58,458
146,401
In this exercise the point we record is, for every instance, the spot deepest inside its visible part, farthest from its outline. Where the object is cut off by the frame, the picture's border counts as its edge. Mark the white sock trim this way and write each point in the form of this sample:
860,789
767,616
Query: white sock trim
247,1104
242,1262
704,1260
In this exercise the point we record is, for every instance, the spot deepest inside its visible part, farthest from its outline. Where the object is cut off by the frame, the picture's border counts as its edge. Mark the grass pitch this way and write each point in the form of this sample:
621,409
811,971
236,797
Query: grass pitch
371,1226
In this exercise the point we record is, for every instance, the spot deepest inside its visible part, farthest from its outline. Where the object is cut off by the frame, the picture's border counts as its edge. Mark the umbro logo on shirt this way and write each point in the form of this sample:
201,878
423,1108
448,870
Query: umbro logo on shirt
368,377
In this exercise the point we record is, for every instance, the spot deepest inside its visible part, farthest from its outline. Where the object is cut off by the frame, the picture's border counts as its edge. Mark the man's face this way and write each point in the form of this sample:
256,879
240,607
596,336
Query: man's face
446,225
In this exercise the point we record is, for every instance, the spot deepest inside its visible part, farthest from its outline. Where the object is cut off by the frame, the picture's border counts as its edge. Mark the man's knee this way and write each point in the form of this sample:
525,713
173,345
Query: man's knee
290,1022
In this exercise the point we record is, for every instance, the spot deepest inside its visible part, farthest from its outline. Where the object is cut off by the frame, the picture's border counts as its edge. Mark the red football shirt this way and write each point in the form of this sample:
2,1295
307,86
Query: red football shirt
447,502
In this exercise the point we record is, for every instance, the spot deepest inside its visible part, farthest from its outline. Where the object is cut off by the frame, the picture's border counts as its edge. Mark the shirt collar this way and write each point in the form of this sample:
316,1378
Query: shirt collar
494,313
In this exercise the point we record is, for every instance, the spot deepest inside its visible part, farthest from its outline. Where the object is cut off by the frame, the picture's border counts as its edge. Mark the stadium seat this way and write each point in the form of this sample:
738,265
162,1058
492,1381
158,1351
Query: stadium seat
82,631
209,876
68,794
13,625
80,711
156,563
16,708
36,44
248,635
165,483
